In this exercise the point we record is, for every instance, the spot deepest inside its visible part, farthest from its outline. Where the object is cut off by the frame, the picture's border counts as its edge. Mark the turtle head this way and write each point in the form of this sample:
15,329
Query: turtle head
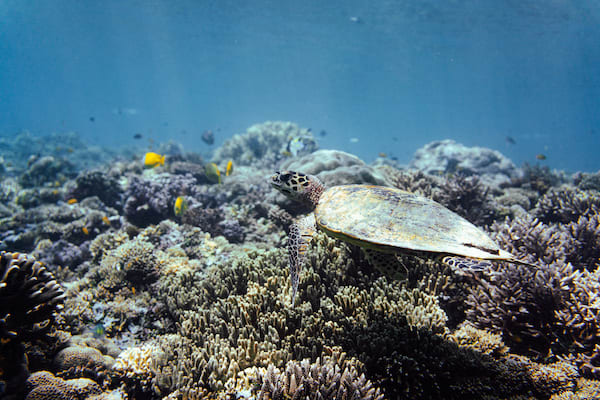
298,186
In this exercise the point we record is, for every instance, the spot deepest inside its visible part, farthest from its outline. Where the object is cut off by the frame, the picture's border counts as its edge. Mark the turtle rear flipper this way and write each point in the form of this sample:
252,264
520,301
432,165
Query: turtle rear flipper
464,264
299,237
388,264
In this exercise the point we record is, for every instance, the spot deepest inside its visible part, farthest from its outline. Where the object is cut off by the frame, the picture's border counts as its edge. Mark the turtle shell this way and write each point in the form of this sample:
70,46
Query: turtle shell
392,220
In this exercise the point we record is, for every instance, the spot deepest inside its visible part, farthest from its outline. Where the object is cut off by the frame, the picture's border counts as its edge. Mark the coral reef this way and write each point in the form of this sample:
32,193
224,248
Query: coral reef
197,304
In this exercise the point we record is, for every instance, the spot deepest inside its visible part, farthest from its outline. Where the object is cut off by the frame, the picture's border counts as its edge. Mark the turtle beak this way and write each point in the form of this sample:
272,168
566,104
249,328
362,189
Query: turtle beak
275,180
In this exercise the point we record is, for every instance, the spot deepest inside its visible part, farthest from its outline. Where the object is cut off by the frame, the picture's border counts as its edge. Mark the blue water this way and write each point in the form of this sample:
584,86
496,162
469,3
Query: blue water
393,74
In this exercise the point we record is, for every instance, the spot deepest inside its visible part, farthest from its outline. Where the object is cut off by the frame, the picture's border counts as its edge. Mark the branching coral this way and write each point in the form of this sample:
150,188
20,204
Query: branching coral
578,323
530,239
520,303
333,378
414,181
537,178
566,205
467,197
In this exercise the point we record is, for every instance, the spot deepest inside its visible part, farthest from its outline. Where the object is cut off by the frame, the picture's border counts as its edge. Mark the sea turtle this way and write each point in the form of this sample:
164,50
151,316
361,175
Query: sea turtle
383,220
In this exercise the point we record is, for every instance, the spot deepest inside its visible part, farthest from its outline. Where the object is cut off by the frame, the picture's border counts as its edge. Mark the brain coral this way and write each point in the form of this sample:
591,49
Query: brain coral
43,385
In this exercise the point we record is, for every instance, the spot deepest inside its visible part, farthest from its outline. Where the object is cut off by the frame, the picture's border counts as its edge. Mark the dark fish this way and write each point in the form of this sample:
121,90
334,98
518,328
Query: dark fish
208,137
395,139
323,133
540,157
510,140
92,119
137,136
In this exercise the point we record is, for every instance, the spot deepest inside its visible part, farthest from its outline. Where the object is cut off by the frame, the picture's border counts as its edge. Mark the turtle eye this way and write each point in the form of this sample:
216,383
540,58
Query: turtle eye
285,177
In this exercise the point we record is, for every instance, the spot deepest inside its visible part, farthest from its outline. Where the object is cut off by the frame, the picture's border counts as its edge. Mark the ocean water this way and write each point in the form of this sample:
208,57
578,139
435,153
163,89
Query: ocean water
393,74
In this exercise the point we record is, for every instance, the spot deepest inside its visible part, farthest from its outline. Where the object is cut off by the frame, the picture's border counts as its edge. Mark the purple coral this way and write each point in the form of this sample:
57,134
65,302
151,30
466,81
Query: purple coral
148,201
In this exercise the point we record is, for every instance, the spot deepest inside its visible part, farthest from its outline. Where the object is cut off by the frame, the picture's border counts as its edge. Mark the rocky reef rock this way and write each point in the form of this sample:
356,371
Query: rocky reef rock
266,144
449,157
336,168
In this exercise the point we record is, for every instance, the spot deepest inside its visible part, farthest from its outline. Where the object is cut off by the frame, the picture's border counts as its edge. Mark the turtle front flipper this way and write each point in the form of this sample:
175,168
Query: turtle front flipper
299,237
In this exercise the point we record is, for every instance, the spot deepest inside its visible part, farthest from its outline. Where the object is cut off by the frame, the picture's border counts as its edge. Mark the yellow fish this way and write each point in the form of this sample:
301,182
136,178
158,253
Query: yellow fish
85,230
213,173
72,201
106,220
180,206
152,160
540,157
229,168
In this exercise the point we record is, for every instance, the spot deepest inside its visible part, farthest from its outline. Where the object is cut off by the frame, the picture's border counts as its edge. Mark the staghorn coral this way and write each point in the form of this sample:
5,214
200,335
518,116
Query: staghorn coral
520,303
537,178
584,252
530,239
413,181
585,181
467,197
566,205
578,323
332,378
